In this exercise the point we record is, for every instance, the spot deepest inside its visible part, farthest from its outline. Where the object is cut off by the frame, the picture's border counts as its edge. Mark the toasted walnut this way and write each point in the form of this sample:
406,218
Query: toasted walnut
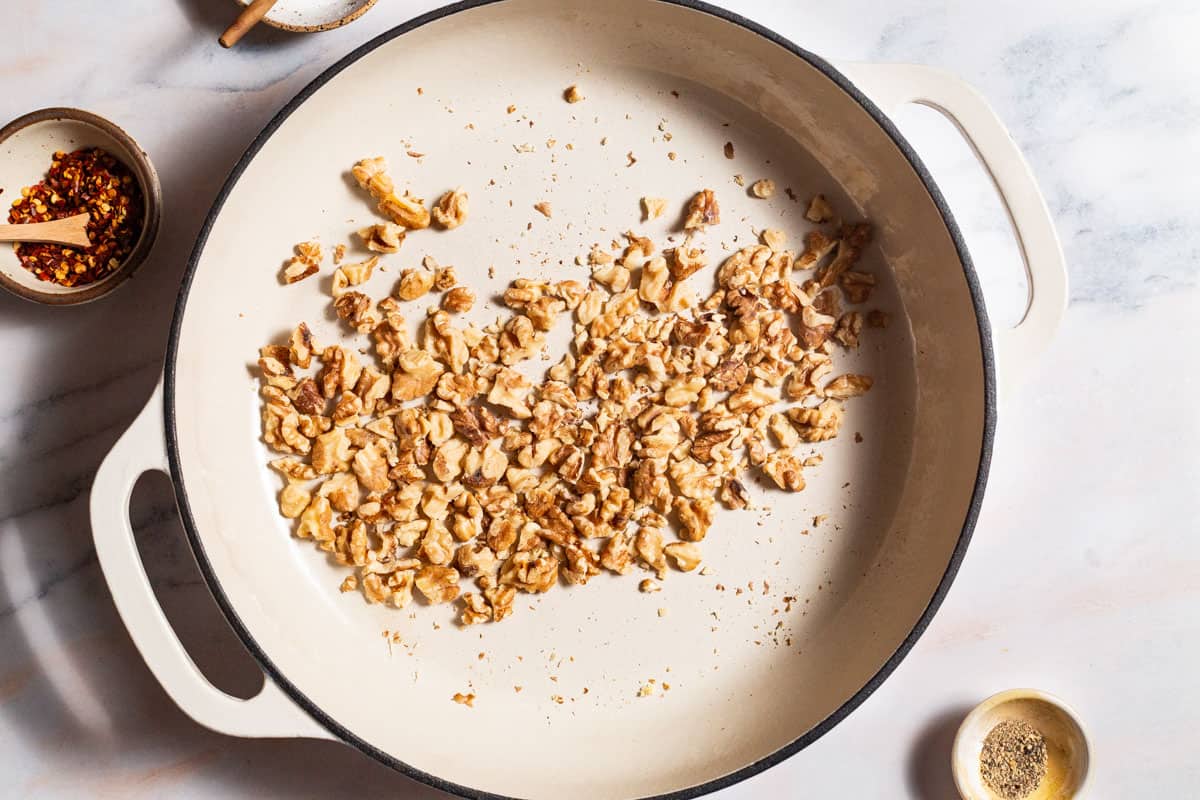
458,300
331,452
293,500
508,390
543,208
355,308
819,210
572,94
475,559
857,286
729,375
371,175
785,469
301,346
702,211
437,583
414,283
306,262
686,261
617,554
534,570
450,211
406,210
695,517
359,273
774,239
686,555
315,521
649,586
653,208
849,326
653,284
817,424
763,188
816,247
501,599
848,385
614,276
385,237
418,374
649,546
815,327
733,494
475,610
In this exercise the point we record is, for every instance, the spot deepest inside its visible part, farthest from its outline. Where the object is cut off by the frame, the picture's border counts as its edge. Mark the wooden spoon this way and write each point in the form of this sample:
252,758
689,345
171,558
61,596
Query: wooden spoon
70,231
249,17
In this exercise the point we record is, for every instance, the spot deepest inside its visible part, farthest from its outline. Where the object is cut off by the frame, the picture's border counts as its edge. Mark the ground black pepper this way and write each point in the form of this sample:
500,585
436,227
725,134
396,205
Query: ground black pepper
1013,760
86,180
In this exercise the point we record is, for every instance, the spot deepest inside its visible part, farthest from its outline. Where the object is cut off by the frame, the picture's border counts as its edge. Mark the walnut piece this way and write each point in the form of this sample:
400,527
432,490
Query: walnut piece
450,211
702,211
763,188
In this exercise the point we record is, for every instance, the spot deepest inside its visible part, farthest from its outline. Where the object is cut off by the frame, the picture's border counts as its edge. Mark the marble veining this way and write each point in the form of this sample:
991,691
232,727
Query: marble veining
1084,574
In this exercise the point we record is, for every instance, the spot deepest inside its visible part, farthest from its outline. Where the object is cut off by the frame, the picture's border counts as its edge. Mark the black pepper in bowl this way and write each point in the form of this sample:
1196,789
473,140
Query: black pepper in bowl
1013,759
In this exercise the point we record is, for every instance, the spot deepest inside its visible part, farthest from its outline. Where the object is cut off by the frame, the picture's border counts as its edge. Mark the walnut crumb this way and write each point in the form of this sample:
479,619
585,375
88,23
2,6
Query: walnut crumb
464,699
763,188
544,208
573,94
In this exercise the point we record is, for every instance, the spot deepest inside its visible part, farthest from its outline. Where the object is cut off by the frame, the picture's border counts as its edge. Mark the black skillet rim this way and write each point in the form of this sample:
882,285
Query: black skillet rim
989,428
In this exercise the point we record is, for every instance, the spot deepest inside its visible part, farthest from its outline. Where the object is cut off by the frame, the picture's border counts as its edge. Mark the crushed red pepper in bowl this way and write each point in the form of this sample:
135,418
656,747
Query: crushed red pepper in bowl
91,181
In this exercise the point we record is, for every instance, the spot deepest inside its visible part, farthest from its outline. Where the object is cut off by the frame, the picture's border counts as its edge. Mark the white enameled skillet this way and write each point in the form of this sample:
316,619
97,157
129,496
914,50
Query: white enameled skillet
754,677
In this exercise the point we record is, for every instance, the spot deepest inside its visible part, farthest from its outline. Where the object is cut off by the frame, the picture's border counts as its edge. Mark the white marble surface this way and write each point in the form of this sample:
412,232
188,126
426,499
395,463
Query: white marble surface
1084,575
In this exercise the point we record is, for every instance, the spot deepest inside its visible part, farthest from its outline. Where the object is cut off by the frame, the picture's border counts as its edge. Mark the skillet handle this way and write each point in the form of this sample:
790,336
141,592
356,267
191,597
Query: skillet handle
893,85
140,449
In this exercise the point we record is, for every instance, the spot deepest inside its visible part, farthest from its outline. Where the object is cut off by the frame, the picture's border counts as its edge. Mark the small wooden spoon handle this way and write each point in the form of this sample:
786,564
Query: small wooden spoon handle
249,17
70,231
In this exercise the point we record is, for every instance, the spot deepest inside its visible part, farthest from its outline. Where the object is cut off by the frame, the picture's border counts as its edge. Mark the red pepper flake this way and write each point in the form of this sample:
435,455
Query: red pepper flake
86,180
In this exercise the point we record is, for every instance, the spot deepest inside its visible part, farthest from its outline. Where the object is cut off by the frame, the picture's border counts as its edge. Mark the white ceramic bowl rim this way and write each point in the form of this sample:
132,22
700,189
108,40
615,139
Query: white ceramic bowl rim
972,512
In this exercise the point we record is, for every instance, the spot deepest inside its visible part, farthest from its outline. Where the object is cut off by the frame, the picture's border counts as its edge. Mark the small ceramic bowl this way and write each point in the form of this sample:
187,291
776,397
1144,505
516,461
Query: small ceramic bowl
27,145
307,16
1067,748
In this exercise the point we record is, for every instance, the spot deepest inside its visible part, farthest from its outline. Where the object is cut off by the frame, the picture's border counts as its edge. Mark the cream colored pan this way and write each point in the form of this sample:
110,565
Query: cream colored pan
754,676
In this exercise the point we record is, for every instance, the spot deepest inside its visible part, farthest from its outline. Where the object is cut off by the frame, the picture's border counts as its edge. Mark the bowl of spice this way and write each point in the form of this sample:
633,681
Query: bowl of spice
1022,744
62,162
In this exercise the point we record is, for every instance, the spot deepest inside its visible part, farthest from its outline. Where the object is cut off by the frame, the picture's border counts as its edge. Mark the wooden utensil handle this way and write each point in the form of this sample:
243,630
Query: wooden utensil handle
250,17
68,230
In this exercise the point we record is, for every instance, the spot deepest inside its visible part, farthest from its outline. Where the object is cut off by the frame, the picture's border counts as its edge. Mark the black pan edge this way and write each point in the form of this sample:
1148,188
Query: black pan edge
985,452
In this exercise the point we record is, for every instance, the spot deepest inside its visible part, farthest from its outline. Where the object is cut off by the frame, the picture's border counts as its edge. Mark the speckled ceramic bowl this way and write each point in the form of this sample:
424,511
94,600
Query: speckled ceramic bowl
27,145
1067,751
308,16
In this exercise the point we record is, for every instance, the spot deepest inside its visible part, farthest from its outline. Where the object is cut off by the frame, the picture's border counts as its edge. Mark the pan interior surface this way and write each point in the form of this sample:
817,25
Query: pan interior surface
795,616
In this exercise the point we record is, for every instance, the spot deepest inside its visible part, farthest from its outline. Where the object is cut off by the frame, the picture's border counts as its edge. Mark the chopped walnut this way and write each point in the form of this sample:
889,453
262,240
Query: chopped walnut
385,237
399,464
437,583
819,210
572,94
653,208
763,188
414,283
686,555
450,211
849,385
306,262
702,211
458,300
543,208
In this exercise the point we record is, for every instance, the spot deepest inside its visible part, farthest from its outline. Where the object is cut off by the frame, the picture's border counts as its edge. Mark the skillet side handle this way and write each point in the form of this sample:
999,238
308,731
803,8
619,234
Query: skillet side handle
893,85
139,450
